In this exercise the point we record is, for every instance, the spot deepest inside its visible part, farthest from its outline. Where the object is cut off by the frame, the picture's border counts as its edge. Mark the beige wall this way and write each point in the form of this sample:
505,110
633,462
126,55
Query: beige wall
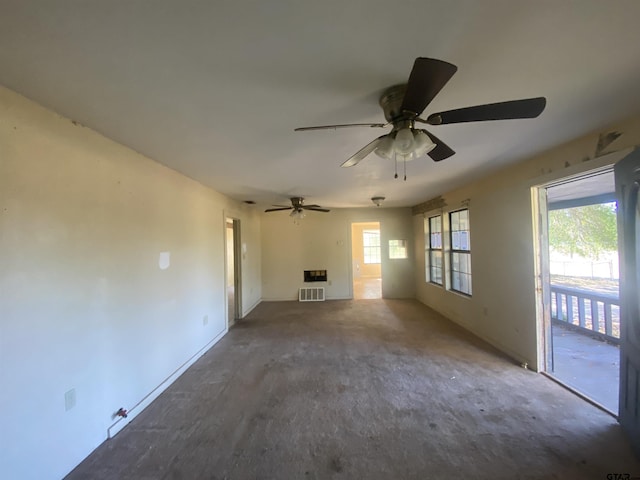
90,299
503,307
86,306
322,241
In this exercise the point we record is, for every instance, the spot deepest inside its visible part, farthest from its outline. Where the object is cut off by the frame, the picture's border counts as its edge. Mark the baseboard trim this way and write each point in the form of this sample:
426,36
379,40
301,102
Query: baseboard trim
250,309
517,358
116,427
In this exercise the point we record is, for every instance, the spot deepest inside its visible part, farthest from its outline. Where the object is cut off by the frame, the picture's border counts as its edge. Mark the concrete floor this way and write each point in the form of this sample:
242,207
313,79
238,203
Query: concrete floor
369,389
590,366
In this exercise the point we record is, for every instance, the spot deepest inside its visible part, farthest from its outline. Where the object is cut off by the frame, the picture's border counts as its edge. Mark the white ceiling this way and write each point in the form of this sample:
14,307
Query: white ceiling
214,89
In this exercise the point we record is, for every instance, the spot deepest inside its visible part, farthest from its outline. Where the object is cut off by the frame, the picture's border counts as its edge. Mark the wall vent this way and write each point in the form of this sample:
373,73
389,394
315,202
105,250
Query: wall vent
311,294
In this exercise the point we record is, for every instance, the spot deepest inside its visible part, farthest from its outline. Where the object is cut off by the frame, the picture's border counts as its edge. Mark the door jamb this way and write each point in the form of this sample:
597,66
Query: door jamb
237,270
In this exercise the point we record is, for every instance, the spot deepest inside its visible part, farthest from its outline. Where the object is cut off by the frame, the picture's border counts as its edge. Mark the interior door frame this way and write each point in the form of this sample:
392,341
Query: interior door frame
350,249
237,270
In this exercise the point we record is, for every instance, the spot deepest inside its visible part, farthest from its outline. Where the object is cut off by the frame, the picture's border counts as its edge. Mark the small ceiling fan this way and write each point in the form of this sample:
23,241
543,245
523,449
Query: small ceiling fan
298,207
403,104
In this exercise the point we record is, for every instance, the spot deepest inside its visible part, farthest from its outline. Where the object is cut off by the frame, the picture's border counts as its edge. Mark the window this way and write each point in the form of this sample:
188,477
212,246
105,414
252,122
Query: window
434,250
397,249
460,251
371,243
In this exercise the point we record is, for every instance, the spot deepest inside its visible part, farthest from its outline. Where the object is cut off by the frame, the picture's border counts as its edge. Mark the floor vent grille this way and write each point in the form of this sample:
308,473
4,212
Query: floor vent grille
311,294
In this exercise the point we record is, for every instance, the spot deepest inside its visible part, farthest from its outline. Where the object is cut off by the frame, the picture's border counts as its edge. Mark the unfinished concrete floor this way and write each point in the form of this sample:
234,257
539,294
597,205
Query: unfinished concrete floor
368,389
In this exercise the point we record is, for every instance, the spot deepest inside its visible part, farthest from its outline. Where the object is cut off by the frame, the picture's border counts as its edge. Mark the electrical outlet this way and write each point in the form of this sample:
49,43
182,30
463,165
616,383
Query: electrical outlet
70,399
205,319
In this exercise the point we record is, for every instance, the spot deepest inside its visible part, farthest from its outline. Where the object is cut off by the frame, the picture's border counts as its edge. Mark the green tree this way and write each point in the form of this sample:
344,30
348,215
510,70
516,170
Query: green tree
588,231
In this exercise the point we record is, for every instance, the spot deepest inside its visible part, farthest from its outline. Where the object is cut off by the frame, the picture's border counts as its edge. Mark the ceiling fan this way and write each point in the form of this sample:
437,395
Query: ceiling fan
403,104
298,207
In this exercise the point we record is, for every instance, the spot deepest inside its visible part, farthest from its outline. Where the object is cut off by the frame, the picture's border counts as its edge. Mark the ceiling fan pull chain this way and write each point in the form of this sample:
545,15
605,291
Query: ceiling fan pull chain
395,159
405,170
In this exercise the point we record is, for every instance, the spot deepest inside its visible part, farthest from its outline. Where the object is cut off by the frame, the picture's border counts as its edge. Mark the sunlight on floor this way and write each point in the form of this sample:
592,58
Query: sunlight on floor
367,288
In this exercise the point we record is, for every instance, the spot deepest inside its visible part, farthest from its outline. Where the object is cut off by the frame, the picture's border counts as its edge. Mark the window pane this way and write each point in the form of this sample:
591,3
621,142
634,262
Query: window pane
455,221
461,272
436,240
455,277
463,216
371,238
433,246
435,229
462,268
397,249
436,267
371,246
371,254
464,282
455,240
464,240
436,275
436,258
460,254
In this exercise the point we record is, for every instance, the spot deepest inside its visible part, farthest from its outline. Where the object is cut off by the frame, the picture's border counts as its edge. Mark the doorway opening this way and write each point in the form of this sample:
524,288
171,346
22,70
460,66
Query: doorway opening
366,260
232,283
581,281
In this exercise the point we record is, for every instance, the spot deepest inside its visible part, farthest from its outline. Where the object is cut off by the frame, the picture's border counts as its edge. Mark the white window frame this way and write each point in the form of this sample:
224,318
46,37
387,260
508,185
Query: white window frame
459,234
432,249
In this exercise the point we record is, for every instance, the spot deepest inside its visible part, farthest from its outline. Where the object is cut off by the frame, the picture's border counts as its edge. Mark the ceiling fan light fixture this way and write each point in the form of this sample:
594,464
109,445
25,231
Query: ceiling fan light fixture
422,144
385,147
297,213
377,201
404,141
403,105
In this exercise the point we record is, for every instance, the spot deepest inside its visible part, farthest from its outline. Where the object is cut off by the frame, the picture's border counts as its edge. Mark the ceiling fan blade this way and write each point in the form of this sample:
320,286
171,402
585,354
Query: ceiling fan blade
277,209
315,209
526,108
363,152
441,151
427,78
345,125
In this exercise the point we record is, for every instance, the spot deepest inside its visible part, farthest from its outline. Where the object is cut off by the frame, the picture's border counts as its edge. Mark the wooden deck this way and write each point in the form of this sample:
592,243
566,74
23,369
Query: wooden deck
589,365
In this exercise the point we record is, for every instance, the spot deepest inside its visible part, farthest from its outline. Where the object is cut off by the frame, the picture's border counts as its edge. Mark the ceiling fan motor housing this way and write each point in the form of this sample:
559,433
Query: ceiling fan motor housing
391,103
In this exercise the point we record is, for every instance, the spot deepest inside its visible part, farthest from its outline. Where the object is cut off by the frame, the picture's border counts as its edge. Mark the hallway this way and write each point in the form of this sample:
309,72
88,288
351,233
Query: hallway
376,389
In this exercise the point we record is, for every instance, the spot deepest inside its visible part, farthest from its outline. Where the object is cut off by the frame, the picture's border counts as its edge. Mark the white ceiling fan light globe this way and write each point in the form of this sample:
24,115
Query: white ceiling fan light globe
407,157
422,144
404,141
385,148
297,214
